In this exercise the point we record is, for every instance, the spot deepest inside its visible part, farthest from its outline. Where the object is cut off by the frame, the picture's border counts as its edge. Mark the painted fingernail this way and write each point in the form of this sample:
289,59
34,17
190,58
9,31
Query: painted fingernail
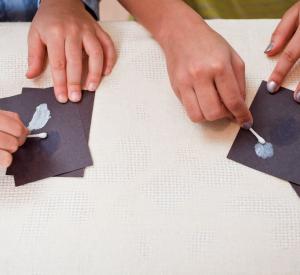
297,96
272,86
247,125
62,98
75,96
92,87
269,48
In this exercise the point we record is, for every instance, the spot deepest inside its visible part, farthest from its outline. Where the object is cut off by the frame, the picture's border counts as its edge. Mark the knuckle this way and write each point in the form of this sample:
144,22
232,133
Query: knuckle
19,130
182,79
73,57
56,30
14,115
14,145
278,74
214,114
95,77
73,30
218,68
96,51
74,84
195,116
234,104
59,65
290,56
197,71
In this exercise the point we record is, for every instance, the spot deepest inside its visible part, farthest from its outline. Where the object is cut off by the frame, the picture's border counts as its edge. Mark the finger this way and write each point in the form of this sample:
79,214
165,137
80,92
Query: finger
283,32
297,93
5,159
209,101
94,51
8,142
13,126
57,60
36,54
238,67
286,61
230,94
21,138
190,102
109,51
74,67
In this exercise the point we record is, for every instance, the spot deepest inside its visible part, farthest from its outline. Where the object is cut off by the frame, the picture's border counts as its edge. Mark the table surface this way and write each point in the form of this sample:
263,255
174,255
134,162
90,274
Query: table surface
161,197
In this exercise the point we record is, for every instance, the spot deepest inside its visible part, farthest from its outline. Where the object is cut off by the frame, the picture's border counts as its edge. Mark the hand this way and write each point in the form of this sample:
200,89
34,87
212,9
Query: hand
64,28
285,39
207,75
12,135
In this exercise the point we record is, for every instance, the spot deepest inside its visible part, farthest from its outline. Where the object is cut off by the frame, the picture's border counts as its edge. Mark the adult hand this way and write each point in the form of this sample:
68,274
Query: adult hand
64,28
285,40
207,75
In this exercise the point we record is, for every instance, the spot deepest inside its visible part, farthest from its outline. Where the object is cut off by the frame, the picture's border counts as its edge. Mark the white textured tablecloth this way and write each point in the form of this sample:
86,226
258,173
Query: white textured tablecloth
161,197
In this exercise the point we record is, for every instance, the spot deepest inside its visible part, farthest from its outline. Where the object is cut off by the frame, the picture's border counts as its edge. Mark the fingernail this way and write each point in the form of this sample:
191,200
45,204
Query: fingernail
297,96
92,87
247,125
75,96
272,86
269,48
62,98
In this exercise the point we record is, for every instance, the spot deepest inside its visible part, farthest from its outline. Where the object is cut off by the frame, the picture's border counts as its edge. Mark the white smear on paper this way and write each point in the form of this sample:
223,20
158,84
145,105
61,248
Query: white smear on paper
264,151
40,117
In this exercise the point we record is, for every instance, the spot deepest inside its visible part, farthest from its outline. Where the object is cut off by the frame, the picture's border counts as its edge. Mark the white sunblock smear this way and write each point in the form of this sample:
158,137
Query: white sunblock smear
264,151
40,117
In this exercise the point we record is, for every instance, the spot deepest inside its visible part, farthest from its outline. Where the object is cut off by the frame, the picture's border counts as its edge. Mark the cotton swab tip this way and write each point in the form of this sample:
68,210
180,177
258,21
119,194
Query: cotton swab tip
40,135
259,138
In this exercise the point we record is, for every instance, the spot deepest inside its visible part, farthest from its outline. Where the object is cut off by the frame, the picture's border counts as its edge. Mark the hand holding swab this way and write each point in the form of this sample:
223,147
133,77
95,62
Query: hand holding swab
40,135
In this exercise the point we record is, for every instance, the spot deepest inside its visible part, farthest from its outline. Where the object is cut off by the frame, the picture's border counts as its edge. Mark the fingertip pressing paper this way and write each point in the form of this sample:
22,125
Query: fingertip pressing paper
277,119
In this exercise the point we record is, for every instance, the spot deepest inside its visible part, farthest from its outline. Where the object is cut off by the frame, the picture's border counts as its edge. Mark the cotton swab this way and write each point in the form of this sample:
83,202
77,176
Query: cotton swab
259,138
40,135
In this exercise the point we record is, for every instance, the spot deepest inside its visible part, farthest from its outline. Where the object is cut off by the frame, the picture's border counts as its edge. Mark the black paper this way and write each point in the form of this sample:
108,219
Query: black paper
64,150
277,119
296,188
85,107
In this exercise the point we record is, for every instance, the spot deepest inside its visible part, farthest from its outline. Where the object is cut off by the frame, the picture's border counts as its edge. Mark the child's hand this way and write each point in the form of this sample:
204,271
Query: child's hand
12,135
64,28
207,75
285,39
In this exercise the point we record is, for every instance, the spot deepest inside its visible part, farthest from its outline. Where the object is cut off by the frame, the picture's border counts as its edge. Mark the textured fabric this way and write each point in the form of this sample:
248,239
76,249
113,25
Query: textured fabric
161,197
24,10
241,8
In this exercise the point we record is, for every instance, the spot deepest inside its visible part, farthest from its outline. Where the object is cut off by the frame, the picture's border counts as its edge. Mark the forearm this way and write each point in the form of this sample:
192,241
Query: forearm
162,17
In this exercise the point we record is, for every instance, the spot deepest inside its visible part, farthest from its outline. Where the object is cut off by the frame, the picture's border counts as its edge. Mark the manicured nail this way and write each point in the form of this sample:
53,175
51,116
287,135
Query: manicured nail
247,125
297,96
92,87
269,48
62,98
272,86
75,96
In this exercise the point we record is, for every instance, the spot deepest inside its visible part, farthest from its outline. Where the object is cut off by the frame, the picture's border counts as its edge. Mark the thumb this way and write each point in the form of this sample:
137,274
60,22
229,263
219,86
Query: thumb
36,54
284,31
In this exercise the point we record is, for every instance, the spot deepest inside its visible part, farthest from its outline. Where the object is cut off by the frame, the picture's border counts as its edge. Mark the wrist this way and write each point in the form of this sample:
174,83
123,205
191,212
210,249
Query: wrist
175,26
